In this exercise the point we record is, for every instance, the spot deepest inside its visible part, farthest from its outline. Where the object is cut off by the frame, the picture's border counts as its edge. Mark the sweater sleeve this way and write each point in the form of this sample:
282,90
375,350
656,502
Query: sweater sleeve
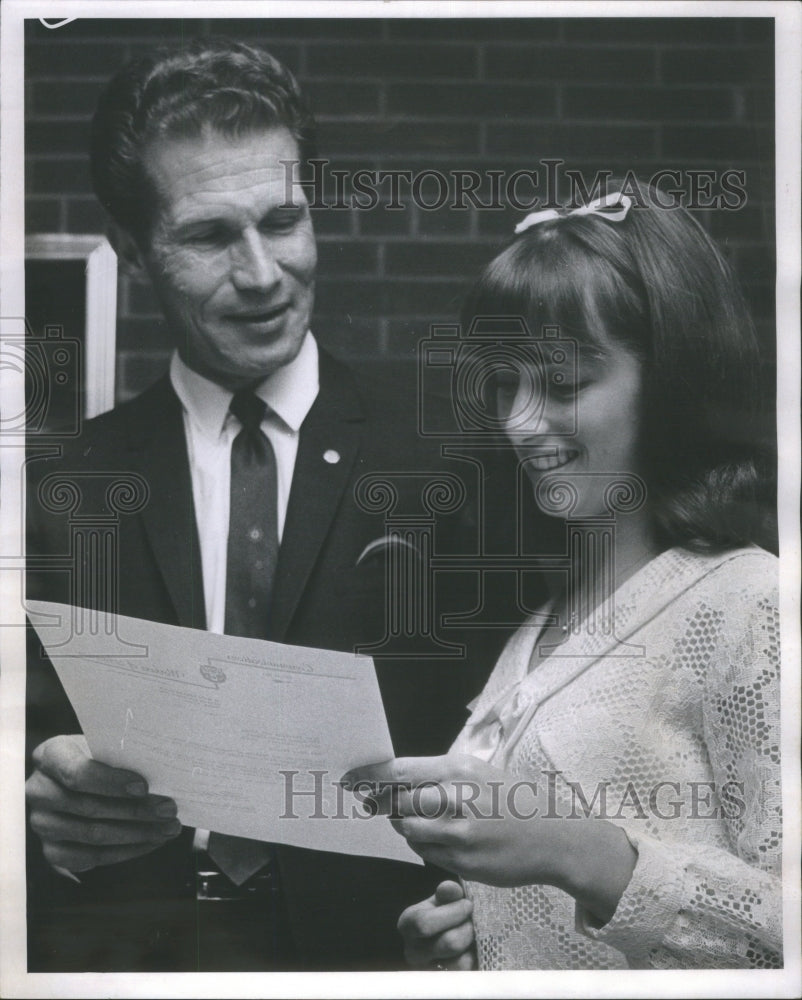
696,905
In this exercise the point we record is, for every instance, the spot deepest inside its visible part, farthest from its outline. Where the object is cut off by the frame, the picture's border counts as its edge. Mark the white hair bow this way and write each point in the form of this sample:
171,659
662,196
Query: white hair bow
612,207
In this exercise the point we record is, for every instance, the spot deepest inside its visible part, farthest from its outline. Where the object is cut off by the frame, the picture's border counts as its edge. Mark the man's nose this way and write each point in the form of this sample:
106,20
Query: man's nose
255,267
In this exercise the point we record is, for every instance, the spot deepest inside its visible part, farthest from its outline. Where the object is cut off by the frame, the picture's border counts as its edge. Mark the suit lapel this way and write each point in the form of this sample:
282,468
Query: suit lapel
159,448
333,428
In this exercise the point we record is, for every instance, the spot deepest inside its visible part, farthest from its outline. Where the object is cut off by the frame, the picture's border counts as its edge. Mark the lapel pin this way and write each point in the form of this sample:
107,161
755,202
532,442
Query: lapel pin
331,456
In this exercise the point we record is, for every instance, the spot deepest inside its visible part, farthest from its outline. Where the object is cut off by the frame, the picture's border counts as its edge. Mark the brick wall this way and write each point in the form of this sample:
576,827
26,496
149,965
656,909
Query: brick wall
489,95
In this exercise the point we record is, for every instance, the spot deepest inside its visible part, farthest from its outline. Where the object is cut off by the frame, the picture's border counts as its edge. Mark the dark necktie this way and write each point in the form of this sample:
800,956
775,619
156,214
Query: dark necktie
252,523
250,566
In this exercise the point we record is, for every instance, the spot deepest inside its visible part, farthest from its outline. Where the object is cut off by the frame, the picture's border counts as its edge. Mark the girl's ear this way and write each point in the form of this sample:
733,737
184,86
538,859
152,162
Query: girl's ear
128,251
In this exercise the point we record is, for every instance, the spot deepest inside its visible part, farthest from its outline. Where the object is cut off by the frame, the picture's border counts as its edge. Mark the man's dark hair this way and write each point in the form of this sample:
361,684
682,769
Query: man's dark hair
227,86
657,284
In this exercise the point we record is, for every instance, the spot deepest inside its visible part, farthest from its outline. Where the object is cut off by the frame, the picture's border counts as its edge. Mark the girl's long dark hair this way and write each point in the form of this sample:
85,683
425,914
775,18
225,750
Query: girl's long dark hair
657,284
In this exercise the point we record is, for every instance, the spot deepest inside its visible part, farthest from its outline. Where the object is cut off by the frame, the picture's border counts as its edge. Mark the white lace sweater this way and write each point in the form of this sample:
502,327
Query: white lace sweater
697,706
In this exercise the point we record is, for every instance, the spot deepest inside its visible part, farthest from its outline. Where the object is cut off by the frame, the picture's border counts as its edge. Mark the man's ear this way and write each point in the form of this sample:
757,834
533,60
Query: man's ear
129,253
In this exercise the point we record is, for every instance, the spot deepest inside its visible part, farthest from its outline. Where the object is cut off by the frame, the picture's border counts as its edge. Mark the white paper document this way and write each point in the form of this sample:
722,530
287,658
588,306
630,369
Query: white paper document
249,737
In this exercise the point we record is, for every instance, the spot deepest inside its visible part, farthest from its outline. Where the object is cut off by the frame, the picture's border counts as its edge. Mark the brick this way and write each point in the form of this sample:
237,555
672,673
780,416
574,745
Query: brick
57,176
381,221
736,64
565,141
756,265
136,370
405,93
341,297
386,61
52,97
84,215
405,335
652,30
332,222
42,215
473,100
263,30
469,29
429,259
744,225
650,104
347,257
760,299
759,105
498,225
57,57
351,338
288,53
340,97
142,302
52,136
138,334
732,143
758,30
93,30
430,299
569,63
392,138
445,222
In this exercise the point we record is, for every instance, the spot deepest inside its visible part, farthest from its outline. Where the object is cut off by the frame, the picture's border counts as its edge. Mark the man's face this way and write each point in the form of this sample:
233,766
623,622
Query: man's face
231,256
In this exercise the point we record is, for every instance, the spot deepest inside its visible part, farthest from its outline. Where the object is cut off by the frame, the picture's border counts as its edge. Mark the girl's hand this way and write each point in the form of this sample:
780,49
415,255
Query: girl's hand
438,932
462,814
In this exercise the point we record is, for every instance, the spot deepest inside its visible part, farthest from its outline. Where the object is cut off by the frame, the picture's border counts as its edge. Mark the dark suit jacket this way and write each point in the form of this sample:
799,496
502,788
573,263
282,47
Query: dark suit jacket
343,910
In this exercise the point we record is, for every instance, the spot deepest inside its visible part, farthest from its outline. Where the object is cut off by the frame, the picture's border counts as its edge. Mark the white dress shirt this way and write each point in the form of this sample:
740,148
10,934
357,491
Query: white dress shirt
210,430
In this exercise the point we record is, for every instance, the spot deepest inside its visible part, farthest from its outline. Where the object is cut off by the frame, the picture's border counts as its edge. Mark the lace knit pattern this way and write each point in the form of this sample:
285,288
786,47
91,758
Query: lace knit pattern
697,707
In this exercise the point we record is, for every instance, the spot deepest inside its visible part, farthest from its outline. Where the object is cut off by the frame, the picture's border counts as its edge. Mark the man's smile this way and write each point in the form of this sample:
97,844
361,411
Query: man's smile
259,315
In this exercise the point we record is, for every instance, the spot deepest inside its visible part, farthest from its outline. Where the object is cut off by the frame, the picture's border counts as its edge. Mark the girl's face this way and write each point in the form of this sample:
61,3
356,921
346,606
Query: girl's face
583,429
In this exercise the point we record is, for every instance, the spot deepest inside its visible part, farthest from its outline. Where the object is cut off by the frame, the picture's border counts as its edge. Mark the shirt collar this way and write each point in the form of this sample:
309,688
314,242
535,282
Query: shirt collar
289,391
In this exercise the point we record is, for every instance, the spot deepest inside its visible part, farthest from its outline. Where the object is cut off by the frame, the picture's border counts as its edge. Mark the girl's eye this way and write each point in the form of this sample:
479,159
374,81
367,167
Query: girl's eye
567,390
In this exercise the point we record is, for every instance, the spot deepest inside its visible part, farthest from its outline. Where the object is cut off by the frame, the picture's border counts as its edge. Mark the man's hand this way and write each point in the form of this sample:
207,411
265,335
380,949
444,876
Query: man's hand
438,932
89,814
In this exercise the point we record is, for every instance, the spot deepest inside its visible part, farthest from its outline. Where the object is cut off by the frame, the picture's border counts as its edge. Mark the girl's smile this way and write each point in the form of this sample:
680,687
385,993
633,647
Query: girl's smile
589,425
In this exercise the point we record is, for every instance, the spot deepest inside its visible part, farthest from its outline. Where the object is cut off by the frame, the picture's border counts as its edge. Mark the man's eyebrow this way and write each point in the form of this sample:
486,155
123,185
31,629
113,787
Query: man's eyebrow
200,221
197,219
202,218
283,207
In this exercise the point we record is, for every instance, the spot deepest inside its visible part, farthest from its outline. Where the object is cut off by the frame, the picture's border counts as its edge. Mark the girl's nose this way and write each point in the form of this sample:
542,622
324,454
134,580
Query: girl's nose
525,410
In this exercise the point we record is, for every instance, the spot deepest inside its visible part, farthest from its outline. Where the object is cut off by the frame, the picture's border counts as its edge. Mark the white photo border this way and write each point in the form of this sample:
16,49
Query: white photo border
14,979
